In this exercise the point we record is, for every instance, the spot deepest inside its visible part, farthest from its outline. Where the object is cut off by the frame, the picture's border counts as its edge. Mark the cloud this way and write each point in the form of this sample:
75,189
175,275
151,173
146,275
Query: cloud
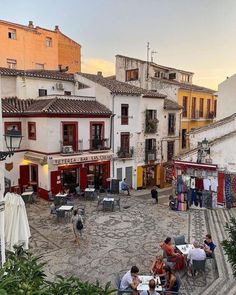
93,65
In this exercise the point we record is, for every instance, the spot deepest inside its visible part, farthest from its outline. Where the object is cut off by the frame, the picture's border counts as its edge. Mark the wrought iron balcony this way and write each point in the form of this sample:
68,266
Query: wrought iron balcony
125,152
151,125
210,115
68,149
99,144
150,155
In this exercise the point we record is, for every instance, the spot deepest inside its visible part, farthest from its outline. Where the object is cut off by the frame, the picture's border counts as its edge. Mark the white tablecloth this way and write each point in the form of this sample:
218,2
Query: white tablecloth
184,249
143,286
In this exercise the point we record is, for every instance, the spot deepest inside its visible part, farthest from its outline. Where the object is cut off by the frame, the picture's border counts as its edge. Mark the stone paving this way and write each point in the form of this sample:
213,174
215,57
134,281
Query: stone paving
113,241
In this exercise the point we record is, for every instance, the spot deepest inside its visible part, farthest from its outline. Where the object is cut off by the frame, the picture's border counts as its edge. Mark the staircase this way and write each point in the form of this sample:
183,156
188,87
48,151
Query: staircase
225,283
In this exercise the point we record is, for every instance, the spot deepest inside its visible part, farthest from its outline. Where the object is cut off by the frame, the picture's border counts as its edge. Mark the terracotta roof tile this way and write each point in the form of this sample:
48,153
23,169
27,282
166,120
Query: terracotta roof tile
46,74
55,105
171,105
117,87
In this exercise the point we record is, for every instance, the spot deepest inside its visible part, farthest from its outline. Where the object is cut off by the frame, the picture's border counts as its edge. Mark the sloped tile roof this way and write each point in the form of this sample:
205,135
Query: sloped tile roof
55,105
171,105
46,74
117,87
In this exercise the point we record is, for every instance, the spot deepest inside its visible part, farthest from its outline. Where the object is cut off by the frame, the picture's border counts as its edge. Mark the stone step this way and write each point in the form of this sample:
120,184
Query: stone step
216,220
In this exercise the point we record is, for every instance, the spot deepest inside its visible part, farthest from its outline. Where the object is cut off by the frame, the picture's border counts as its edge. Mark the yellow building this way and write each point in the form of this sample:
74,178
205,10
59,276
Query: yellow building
199,109
29,47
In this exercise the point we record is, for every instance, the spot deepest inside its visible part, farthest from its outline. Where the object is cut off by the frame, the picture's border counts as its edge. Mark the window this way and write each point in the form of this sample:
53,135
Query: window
97,140
157,74
132,75
215,107
48,42
124,114
12,34
193,107
185,106
170,150
81,85
151,121
11,63
208,107
171,124
70,134
150,149
151,114
184,138
201,107
124,142
67,92
184,78
42,92
172,76
12,125
39,66
32,130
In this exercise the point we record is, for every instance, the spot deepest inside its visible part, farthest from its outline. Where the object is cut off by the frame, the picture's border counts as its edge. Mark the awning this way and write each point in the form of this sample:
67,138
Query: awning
34,157
89,157
185,164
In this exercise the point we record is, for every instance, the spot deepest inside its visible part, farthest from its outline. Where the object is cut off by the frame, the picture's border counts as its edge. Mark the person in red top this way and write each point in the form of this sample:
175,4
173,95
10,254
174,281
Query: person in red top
173,256
157,268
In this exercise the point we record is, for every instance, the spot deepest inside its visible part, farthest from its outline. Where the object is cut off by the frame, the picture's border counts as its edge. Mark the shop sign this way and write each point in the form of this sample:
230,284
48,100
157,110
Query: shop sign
79,159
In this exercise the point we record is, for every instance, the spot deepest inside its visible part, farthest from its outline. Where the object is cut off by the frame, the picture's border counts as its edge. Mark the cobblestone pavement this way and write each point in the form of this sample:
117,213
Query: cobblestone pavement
113,241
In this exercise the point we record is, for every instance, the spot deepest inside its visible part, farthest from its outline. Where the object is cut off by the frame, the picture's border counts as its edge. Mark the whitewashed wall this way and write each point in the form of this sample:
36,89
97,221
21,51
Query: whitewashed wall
210,133
226,101
8,86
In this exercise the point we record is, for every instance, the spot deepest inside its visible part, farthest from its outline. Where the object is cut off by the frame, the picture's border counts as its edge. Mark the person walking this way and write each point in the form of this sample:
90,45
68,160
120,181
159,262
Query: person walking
77,225
154,194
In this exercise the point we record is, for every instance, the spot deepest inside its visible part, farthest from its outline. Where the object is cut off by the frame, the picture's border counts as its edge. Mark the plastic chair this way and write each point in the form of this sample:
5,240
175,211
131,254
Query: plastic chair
117,282
199,266
180,240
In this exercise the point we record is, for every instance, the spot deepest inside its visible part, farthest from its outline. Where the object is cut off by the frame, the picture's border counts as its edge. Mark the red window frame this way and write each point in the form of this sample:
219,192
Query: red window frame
32,135
132,75
16,124
75,143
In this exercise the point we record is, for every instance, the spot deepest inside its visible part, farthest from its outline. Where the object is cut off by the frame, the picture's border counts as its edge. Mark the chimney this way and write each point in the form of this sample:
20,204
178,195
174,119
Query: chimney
56,28
31,25
99,73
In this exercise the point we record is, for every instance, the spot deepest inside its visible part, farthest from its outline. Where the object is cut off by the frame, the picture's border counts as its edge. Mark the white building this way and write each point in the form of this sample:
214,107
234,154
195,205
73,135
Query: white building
145,127
226,98
66,141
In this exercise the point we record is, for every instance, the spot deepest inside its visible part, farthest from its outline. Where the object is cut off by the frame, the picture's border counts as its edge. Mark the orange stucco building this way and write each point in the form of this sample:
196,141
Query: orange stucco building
29,47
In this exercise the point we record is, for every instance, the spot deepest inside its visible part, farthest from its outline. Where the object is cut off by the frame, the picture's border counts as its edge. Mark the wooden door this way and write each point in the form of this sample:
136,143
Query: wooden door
55,182
24,175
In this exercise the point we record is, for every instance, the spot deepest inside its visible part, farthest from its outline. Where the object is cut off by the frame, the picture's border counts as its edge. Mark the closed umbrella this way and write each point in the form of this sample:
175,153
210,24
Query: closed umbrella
17,231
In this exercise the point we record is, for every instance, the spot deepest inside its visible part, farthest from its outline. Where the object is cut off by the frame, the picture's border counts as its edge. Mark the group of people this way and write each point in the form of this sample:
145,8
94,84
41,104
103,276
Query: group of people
168,278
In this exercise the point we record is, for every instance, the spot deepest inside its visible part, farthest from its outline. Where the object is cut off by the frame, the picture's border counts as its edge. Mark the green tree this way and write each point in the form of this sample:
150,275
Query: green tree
23,274
229,245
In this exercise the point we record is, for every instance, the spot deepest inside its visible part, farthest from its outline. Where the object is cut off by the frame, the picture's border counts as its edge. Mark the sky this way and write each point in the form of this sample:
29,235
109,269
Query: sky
193,35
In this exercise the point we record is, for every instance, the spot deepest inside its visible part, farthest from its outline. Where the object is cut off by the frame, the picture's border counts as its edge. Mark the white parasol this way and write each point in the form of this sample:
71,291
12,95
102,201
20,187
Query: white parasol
17,231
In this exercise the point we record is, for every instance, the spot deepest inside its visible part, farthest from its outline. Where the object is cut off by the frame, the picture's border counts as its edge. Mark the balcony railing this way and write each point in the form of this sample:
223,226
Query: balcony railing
151,125
67,149
150,155
210,115
99,144
125,153
195,115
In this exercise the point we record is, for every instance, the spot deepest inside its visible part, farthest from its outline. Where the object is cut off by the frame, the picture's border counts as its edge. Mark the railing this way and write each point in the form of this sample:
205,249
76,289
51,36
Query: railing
210,115
151,125
125,153
64,150
150,155
195,115
99,144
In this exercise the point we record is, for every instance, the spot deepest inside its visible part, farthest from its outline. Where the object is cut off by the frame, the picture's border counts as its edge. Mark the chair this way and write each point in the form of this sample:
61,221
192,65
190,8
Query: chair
117,282
60,214
167,260
108,205
117,202
179,240
99,201
199,266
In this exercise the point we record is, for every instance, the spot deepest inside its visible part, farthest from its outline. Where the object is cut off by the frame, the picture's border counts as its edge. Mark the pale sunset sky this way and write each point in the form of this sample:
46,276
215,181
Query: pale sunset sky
193,35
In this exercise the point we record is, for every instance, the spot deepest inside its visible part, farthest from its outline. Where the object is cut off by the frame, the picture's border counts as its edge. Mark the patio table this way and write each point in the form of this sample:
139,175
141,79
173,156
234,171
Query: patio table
143,286
184,249
68,209
27,196
108,203
89,193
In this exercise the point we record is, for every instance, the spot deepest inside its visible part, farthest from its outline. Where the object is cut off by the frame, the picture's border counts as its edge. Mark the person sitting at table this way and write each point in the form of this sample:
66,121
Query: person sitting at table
77,218
125,186
172,283
130,280
209,246
173,255
151,291
157,267
196,253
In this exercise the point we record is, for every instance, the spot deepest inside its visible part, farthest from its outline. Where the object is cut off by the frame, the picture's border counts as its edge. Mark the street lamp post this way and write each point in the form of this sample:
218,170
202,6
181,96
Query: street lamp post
13,139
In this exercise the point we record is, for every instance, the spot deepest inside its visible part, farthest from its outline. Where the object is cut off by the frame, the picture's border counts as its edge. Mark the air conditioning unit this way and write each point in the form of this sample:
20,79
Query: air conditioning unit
60,86
151,157
67,149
